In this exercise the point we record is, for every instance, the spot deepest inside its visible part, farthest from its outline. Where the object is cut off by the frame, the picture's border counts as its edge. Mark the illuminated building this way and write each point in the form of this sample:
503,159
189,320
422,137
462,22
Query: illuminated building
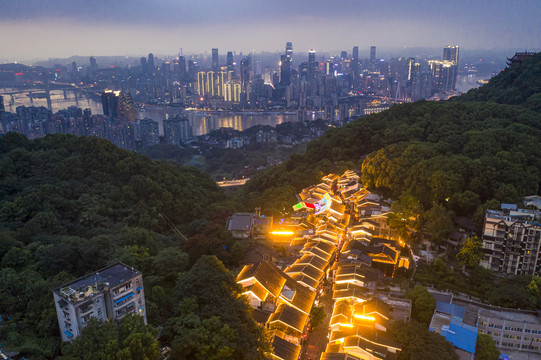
289,50
312,64
109,101
450,53
201,83
109,293
444,74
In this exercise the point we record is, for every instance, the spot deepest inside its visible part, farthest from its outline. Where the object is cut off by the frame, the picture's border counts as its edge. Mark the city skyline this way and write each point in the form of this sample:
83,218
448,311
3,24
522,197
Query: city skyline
162,27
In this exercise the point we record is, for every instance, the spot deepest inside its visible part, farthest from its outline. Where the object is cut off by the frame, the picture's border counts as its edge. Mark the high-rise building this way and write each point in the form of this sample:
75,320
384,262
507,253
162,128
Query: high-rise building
176,129
372,53
147,133
109,101
443,75
355,53
201,83
230,61
2,104
151,66
450,53
182,68
144,65
109,293
289,50
215,62
312,64
285,70
245,68
93,65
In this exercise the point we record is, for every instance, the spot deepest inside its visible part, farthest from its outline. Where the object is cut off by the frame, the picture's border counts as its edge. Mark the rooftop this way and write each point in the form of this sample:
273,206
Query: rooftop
95,282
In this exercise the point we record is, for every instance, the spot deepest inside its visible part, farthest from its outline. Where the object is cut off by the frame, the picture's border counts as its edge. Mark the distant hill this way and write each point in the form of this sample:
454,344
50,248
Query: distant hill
460,155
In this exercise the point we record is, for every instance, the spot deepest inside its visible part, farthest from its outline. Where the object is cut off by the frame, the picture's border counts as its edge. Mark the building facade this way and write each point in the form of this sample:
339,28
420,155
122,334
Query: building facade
109,293
512,242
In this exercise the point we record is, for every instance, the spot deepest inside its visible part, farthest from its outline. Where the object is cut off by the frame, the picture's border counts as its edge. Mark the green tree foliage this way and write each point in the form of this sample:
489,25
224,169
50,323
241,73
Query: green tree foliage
213,320
317,315
422,304
419,343
71,205
516,85
485,349
131,339
470,252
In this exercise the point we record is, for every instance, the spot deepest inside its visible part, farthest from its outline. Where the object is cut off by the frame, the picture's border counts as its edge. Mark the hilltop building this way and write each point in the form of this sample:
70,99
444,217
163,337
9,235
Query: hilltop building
109,293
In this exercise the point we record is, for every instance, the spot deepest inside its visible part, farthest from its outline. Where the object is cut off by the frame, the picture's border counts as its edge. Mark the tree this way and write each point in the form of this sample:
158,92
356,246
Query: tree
423,303
486,348
131,339
213,317
439,223
418,342
470,252
317,315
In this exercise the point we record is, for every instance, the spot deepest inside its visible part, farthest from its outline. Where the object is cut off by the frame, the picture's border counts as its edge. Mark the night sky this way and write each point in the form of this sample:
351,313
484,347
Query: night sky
31,29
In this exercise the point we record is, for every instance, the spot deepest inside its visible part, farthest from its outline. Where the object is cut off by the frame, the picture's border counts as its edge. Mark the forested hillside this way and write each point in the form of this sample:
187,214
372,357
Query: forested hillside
517,85
71,205
440,159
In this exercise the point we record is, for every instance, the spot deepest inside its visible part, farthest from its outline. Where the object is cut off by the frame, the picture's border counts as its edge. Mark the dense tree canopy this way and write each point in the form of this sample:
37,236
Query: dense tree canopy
71,205
419,343
212,319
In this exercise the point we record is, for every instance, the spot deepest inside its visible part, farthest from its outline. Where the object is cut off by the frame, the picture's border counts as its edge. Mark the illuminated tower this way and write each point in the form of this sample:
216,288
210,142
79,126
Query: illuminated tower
289,50
312,64
215,63
450,53
201,80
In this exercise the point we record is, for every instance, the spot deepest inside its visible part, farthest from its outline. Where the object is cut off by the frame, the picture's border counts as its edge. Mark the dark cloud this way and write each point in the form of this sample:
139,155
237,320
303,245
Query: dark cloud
133,26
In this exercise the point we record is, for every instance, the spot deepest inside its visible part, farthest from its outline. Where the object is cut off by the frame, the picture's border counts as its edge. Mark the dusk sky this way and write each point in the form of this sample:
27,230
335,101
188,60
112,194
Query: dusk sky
38,29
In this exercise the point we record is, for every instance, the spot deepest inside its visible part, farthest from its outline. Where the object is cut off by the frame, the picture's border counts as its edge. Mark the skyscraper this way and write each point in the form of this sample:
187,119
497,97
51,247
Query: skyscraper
289,49
1,104
215,62
109,101
93,65
230,61
372,53
182,68
151,66
450,53
312,64
144,65
285,65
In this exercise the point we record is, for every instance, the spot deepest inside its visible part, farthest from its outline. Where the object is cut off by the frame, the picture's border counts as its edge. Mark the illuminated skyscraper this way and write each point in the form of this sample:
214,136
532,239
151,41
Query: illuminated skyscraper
312,64
201,83
215,62
450,53
289,50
